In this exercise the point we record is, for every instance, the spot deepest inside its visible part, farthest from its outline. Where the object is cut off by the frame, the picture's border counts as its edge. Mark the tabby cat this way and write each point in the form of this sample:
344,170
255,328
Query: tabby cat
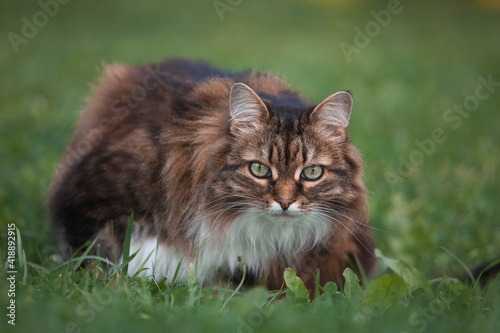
217,166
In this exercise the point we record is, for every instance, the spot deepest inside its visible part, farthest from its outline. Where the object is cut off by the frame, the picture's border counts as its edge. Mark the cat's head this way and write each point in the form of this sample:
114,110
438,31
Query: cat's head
286,157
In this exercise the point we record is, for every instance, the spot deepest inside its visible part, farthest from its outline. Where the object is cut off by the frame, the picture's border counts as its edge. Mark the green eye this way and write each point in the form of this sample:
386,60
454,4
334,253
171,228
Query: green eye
259,170
312,173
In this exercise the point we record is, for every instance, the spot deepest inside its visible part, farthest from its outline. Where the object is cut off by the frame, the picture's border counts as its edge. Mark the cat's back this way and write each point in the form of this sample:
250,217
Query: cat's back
128,93
163,93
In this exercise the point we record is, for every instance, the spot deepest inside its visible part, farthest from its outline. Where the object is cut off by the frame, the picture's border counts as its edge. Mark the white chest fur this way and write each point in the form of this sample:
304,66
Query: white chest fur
256,237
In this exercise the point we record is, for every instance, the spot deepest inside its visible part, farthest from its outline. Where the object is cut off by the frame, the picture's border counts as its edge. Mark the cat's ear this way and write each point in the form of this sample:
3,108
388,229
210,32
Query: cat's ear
333,113
247,110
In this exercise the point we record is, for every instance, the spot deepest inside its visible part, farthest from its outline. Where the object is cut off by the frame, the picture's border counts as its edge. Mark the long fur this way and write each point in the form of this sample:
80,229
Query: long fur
161,141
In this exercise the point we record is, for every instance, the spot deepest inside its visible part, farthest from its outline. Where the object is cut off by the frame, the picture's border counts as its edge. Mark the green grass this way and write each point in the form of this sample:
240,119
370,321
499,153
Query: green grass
428,58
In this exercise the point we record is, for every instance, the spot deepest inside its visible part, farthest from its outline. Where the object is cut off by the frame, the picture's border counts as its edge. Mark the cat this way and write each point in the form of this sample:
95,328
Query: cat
215,166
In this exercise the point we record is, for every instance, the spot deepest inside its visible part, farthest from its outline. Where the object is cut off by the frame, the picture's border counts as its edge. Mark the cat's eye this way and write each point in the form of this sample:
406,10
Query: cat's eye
259,170
312,173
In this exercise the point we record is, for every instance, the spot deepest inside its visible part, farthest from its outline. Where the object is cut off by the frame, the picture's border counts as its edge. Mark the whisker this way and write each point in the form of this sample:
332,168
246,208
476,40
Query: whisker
334,220
246,196
337,212
359,226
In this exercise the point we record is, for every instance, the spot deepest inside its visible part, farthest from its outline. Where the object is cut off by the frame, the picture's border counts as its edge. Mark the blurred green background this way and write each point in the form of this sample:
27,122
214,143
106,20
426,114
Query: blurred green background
414,68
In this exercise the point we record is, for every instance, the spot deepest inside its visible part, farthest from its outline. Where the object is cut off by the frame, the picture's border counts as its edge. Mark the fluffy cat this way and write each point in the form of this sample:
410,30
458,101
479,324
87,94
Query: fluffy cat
229,165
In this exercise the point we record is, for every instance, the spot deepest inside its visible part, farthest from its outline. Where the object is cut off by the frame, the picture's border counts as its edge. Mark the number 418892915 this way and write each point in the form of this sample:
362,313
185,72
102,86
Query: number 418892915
11,245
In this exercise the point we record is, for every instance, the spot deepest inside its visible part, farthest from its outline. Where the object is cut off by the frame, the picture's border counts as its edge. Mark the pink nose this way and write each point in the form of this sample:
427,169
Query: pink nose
285,202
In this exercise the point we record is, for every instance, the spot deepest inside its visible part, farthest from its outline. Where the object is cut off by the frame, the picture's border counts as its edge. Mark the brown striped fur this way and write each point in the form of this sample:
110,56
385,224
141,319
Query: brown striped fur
159,141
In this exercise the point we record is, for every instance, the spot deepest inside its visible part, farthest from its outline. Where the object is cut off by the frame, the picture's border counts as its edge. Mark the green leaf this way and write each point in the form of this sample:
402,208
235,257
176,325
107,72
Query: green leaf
410,274
386,291
352,289
295,284
330,288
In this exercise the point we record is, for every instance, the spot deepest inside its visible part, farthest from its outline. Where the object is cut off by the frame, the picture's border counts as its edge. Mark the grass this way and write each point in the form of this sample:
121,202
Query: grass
428,58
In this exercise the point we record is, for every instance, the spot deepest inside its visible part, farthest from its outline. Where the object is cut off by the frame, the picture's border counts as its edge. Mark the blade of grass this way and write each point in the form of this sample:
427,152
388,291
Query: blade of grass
317,284
21,256
81,258
126,244
142,268
467,270
38,268
244,265
275,297
118,267
196,263
491,265
176,274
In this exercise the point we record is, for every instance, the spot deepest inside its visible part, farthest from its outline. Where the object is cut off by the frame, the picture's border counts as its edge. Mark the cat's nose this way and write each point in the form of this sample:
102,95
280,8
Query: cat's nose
285,202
